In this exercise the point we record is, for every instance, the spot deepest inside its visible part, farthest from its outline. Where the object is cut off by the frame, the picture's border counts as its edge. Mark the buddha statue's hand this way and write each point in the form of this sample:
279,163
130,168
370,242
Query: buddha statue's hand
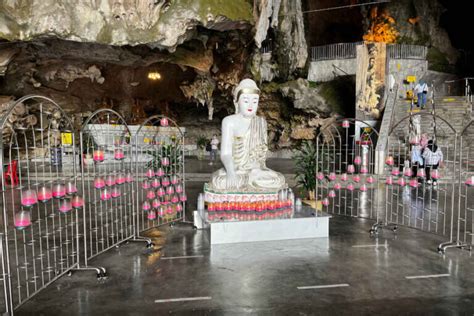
232,181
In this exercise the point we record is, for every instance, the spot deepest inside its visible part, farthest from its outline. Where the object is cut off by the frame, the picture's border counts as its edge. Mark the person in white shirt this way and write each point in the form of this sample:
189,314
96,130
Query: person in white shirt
433,157
214,148
421,90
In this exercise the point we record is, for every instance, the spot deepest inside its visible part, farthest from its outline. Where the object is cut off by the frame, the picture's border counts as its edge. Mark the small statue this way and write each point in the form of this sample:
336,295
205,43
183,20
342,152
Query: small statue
244,147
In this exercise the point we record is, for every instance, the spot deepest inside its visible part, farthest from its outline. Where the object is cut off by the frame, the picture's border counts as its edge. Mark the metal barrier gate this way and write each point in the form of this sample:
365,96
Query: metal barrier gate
107,181
421,197
346,183
40,198
159,173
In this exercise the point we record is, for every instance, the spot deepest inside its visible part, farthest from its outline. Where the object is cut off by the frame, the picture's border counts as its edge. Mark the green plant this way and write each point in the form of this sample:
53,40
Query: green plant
305,162
201,142
172,151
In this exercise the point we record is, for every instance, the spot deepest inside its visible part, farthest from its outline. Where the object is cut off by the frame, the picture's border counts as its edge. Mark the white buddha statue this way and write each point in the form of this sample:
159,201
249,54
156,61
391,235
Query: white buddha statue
244,147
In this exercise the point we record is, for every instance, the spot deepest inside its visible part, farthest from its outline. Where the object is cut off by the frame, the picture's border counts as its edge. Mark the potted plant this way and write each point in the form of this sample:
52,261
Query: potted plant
305,162
201,143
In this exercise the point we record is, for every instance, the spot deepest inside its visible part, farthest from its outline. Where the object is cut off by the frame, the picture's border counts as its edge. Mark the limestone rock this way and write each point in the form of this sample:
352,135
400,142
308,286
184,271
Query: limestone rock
305,98
302,133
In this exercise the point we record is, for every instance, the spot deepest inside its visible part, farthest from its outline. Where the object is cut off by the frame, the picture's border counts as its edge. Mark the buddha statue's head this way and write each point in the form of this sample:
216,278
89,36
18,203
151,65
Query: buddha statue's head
246,96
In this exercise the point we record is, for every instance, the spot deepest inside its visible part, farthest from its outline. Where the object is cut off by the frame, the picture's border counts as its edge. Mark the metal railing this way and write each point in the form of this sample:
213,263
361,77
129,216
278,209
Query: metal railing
406,51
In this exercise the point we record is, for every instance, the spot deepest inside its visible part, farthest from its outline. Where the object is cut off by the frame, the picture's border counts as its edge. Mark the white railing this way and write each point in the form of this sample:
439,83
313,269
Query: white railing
405,51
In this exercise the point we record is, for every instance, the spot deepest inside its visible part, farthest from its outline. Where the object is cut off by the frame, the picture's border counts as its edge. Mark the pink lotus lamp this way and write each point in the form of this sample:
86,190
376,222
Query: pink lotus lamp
337,186
120,179
389,161
164,122
179,207
59,191
169,210
99,183
77,202
65,206
356,178
146,206
357,160
179,188
115,192
435,174
414,140
344,177
170,190
363,188
401,182
105,195
421,173
44,194
325,202
161,211
395,171
98,155
370,179
160,192
332,176
155,203
155,183
174,179
149,173
146,184
174,199
129,177
346,124
364,170
469,181
159,172
165,161
151,215
29,198
407,172
413,183
150,194
389,180
182,197
22,220
109,181
119,154
71,188
350,169
320,176
332,194
350,187
165,182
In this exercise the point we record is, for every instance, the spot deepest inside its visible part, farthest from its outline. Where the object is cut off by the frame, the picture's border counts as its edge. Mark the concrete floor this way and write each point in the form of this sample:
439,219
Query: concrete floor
264,278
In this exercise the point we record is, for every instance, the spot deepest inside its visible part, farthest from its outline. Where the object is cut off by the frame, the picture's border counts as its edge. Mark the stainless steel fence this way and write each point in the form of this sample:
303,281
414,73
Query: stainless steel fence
346,183
334,51
159,173
40,198
406,51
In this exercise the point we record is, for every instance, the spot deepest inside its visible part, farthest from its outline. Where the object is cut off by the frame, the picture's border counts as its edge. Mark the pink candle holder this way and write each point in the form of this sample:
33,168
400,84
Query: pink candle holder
22,220
413,183
146,184
77,202
346,124
401,182
364,170
149,173
169,210
160,192
71,188
332,176
325,202
174,179
320,176
129,177
370,179
165,161
119,154
174,198
407,172
395,171
332,194
99,183
350,187
44,194
105,195
155,203
389,161
179,188
164,122
165,182
337,186
150,194
435,174
166,199
421,173
115,192
151,215
389,180
363,188
146,206
469,181
182,197
159,172
356,178
98,155
414,140
109,181
59,191
120,179
155,183
161,211
350,169
357,160
344,177
29,198
179,207
169,190
65,206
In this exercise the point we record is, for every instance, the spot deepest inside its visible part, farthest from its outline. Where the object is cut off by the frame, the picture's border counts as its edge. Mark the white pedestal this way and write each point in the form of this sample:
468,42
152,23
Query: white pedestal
302,225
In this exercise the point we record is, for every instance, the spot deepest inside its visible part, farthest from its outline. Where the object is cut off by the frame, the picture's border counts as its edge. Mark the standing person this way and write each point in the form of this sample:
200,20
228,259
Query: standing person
433,158
416,159
421,90
214,148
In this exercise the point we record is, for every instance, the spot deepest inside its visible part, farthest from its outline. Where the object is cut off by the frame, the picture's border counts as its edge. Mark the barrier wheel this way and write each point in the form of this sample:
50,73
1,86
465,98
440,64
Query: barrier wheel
440,251
150,245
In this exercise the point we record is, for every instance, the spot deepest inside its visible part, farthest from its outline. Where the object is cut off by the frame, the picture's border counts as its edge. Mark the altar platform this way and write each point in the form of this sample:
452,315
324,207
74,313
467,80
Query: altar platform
305,223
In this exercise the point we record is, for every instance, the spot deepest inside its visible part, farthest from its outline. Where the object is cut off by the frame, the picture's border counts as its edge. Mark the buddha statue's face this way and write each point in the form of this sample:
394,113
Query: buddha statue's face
248,104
